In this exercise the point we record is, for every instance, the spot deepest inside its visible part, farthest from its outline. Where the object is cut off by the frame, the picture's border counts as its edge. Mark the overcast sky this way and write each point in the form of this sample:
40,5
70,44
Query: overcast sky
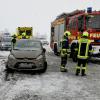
38,13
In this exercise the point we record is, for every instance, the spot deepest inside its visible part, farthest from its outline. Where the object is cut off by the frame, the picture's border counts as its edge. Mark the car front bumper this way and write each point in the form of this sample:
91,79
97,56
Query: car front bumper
6,48
25,64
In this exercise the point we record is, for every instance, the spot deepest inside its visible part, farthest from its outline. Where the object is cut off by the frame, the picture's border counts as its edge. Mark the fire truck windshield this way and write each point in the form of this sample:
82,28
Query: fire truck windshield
93,21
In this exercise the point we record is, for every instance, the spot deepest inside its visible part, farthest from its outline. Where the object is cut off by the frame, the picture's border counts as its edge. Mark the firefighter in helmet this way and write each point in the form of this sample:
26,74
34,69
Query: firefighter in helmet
24,35
84,48
64,48
13,41
19,36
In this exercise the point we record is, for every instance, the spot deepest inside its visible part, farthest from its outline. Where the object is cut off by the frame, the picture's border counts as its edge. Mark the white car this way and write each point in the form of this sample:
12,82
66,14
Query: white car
5,43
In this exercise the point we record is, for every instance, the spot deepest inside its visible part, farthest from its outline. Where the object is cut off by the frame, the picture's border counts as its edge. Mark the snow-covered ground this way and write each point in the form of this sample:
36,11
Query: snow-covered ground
52,85
4,53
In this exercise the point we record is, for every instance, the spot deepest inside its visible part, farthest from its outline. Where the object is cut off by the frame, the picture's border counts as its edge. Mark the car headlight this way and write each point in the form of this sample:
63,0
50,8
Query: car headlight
2,44
39,57
11,57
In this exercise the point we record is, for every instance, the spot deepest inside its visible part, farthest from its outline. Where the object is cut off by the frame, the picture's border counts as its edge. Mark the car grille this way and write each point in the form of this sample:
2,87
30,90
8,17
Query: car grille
25,58
8,45
25,67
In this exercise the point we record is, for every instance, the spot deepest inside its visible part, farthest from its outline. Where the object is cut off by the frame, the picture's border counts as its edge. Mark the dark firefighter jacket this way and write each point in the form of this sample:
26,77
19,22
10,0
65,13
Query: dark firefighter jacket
13,40
65,43
64,46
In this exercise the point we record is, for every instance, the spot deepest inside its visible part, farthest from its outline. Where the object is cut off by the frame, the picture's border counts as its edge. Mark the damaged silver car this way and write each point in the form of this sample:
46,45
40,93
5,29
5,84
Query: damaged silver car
27,55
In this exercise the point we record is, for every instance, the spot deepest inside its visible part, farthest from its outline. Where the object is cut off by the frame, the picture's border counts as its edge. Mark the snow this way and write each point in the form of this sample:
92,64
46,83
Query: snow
41,84
4,53
52,85
48,85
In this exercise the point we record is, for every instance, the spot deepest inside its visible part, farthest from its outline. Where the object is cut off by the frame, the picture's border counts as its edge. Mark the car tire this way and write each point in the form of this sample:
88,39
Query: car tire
45,68
8,69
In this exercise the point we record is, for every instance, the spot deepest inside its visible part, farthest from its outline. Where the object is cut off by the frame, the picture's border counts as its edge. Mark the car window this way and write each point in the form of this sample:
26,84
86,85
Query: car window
6,39
28,45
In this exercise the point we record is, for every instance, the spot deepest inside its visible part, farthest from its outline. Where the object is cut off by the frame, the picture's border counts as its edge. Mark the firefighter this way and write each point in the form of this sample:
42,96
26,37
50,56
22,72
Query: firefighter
64,47
13,40
73,53
19,36
27,37
84,49
24,35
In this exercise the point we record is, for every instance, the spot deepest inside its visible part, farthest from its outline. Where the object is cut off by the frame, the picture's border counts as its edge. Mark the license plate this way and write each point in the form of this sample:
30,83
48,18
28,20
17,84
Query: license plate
25,65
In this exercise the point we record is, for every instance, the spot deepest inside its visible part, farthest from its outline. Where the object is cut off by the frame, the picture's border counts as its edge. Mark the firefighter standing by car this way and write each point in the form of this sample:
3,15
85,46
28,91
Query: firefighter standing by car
13,41
84,50
64,48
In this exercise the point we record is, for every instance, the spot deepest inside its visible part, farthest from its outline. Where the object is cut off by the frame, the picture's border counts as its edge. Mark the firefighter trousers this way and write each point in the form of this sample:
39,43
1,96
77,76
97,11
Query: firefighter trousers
64,61
82,62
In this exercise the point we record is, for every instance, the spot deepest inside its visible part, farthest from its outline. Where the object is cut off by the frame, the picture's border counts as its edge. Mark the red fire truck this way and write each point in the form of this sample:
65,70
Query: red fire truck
58,26
76,22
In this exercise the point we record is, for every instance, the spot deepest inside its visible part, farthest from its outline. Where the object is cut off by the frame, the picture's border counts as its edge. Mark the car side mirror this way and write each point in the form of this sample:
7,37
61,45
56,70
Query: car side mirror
44,50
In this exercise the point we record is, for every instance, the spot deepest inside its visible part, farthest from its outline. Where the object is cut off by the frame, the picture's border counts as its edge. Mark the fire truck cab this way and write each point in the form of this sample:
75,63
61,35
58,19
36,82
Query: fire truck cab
90,22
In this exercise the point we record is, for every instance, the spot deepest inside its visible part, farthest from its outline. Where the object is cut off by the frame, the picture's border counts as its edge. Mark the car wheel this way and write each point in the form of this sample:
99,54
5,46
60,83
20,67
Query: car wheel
45,67
8,69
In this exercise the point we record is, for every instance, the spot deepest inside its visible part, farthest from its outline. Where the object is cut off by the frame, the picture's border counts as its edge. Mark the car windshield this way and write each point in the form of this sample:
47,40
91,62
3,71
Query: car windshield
6,39
93,21
7,34
27,45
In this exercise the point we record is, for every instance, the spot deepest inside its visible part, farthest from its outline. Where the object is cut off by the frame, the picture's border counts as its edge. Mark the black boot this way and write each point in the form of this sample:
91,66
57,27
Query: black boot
77,72
83,72
63,69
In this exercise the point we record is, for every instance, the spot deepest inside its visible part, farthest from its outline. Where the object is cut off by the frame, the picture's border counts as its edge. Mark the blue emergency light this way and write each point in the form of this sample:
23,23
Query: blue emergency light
89,10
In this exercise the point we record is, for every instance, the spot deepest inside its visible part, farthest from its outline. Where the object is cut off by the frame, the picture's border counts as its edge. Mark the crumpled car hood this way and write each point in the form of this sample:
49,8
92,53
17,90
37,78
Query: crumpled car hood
26,53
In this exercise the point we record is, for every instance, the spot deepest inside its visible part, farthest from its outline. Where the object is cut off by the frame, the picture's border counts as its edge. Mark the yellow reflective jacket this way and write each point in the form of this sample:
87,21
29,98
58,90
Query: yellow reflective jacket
84,45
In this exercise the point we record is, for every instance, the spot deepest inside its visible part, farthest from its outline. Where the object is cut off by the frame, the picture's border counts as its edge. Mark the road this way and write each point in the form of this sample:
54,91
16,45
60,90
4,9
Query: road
52,85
